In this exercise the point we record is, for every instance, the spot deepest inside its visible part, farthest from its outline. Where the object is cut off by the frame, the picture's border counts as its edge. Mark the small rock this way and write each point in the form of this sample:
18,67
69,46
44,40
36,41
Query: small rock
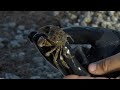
103,24
1,45
19,38
83,24
69,25
87,19
19,32
11,76
26,32
6,25
12,24
108,19
73,17
21,55
81,18
94,25
114,19
14,44
31,30
49,75
66,20
1,39
6,28
56,13
21,27
111,13
117,26
76,24
35,77
14,56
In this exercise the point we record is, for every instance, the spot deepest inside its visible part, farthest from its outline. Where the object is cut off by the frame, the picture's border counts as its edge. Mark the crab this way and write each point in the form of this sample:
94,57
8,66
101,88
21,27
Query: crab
56,37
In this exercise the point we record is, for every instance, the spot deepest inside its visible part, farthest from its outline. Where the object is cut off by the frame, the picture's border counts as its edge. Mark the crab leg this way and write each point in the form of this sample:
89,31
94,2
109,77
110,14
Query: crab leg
61,58
48,53
56,56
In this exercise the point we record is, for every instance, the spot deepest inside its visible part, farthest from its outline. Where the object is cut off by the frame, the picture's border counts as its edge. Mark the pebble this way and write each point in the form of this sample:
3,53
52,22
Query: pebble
21,55
73,17
14,56
111,13
69,25
19,38
26,32
76,24
21,27
83,24
117,26
55,13
35,77
19,32
1,45
87,19
114,19
14,44
1,39
12,24
50,75
94,25
11,76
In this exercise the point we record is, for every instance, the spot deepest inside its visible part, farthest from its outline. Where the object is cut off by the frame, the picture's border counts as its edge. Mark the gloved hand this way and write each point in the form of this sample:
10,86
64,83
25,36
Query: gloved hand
104,42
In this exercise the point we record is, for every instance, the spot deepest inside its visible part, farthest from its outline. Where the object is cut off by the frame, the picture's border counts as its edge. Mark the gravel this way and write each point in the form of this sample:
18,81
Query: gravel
21,27
35,77
19,38
11,76
21,58
14,44
12,24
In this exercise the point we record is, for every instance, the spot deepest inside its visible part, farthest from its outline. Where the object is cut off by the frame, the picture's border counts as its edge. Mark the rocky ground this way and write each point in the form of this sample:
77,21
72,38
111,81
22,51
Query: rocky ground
19,59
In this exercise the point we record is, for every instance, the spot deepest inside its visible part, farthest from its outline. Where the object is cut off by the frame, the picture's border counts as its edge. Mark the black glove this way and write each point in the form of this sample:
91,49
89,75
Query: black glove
104,43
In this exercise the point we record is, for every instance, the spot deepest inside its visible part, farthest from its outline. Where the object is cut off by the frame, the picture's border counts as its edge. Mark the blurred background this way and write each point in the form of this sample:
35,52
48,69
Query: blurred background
19,59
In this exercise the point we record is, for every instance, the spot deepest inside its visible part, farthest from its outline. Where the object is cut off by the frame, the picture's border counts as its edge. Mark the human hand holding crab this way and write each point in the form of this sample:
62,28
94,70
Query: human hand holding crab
56,39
